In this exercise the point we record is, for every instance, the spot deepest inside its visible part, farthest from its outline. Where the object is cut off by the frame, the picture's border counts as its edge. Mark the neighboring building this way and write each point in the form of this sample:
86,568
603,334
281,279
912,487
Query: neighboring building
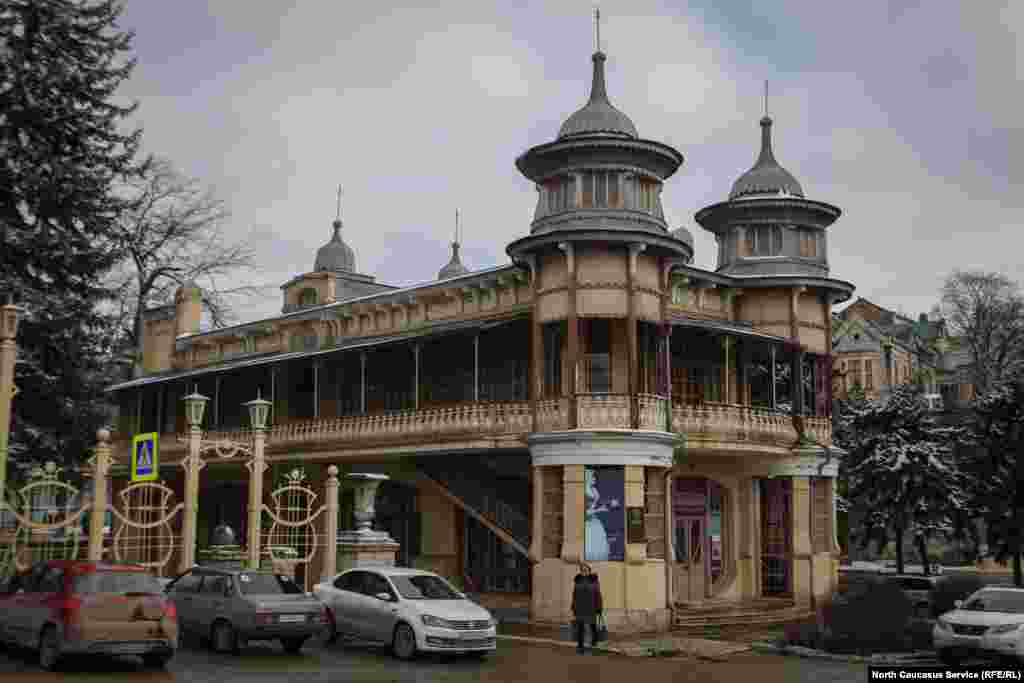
877,349
526,412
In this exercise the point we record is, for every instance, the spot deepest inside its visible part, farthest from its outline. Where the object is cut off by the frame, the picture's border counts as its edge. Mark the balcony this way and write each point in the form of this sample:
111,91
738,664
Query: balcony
710,425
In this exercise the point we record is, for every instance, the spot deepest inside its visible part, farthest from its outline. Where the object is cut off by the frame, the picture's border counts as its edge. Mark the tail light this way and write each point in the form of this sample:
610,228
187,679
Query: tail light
264,618
322,617
68,611
170,611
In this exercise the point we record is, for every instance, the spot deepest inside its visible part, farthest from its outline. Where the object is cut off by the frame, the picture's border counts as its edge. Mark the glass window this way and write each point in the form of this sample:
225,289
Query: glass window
118,583
601,189
614,191
376,584
587,200
267,584
424,587
869,374
1007,602
648,195
808,243
307,297
351,582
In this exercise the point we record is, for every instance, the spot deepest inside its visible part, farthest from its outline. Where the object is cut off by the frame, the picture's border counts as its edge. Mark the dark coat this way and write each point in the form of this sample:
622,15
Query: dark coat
586,601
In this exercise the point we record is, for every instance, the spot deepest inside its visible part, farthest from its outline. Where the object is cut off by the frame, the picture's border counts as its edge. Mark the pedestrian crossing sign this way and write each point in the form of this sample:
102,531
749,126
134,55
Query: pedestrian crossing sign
144,457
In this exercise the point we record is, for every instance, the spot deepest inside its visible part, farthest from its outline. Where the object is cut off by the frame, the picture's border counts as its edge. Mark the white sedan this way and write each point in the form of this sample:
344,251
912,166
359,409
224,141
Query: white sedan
989,622
409,609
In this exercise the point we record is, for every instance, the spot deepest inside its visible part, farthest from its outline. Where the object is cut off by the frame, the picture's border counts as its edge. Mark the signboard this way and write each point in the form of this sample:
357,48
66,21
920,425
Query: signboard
145,465
604,491
636,531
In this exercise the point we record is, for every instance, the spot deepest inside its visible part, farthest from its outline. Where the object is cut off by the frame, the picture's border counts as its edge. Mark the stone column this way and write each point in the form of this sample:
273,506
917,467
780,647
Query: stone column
634,365
331,526
257,466
537,506
573,332
98,514
572,515
192,464
8,351
803,557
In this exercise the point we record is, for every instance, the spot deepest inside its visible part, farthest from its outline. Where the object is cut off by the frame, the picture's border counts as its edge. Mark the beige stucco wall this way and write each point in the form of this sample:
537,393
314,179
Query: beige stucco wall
602,303
647,272
600,265
553,270
648,307
158,345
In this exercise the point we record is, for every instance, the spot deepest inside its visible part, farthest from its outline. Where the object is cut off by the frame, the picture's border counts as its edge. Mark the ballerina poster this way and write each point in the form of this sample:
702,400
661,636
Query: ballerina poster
604,491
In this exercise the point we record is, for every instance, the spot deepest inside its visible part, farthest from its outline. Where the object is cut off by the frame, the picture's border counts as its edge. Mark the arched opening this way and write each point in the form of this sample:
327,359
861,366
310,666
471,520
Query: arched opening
700,534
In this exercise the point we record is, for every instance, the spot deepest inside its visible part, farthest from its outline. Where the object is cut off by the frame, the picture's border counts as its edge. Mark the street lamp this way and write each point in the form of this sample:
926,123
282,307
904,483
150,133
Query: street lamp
9,321
259,410
195,405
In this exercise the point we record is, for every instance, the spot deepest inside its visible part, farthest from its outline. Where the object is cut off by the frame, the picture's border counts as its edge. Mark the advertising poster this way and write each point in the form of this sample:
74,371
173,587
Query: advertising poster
604,492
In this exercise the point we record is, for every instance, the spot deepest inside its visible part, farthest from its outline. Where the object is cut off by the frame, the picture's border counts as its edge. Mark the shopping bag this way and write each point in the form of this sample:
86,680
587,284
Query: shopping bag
600,630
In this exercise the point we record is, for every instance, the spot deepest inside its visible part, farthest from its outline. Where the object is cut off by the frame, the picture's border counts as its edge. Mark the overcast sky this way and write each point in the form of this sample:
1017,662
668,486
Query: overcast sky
907,115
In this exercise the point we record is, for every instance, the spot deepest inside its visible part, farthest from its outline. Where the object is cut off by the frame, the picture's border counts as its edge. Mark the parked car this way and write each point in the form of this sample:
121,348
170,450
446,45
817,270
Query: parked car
409,609
918,589
65,607
229,607
989,622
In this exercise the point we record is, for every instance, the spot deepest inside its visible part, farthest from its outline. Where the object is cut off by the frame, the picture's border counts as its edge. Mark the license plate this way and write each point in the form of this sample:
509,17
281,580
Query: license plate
473,636
292,618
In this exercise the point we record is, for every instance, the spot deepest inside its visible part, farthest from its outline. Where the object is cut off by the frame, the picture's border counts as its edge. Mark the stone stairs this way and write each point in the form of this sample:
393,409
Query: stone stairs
693,617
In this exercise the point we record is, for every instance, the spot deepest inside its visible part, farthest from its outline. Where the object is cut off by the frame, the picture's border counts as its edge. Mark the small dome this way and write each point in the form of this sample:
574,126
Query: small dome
335,255
767,177
683,235
223,535
598,116
454,267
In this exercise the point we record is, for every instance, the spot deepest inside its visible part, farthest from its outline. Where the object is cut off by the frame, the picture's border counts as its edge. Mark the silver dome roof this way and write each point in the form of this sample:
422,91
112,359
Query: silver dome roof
454,266
598,116
683,235
335,255
767,177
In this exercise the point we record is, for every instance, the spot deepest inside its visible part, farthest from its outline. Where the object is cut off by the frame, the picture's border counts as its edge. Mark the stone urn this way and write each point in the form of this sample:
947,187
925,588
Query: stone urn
364,510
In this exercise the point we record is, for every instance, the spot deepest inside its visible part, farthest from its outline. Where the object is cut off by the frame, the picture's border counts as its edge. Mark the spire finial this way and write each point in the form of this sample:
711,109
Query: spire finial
338,215
456,226
337,220
597,27
766,97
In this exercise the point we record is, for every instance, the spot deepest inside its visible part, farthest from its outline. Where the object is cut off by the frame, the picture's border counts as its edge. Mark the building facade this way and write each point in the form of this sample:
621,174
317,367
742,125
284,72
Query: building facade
596,400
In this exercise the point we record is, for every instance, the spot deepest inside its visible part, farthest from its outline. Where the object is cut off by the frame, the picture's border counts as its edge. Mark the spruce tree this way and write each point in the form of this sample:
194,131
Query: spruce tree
64,145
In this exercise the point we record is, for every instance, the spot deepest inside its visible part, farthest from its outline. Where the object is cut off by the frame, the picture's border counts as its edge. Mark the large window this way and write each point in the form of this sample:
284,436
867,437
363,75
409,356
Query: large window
760,240
561,193
808,243
553,359
648,195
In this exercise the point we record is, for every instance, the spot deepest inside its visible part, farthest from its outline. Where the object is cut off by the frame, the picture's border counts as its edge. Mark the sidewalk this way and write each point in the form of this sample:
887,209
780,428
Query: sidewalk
629,645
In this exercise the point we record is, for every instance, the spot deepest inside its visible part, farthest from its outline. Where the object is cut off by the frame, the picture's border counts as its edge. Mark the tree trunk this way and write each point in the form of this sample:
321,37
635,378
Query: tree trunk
922,550
899,549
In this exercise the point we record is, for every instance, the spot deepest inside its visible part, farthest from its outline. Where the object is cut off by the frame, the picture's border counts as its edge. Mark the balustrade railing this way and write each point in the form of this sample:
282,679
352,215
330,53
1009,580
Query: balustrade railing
729,422
820,429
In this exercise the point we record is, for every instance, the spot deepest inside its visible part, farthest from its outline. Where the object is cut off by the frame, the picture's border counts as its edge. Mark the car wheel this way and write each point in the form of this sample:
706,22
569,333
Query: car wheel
156,661
223,639
292,645
949,657
49,649
404,642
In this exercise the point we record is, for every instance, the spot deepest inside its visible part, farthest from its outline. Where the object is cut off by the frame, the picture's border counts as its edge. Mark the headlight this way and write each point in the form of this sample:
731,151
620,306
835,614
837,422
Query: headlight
1004,628
943,625
436,622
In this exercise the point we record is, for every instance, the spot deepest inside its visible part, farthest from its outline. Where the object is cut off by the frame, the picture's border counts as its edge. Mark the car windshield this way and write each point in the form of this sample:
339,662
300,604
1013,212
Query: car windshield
1008,602
424,587
115,582
267,584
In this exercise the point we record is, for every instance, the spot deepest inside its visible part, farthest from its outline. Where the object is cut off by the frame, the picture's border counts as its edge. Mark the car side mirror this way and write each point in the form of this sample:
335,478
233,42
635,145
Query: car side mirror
386,597
958,603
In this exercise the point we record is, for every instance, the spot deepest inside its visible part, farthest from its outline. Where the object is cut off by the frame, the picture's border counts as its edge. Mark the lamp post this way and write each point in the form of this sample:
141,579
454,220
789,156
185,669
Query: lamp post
8,351
195,406
259,409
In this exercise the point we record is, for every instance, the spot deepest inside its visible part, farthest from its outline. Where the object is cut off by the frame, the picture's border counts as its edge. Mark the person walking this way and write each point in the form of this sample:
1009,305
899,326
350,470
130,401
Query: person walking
586,605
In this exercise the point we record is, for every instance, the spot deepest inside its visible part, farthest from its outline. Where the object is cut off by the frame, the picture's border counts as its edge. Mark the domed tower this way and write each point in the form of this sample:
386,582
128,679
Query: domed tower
768,227
454,267
335,256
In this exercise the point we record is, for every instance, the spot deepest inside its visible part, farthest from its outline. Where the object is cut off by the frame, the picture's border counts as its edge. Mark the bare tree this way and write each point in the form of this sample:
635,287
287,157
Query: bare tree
175,233
986,311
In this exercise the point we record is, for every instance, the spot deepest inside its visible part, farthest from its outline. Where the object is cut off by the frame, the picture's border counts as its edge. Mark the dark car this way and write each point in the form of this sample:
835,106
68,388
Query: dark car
65,607
918,589
231,607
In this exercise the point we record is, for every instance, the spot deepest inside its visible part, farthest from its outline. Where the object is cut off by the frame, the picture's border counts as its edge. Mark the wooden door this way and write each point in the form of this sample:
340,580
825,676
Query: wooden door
691,582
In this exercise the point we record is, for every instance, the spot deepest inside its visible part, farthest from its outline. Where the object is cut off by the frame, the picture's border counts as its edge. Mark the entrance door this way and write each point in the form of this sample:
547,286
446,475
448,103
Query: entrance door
776,536
690,523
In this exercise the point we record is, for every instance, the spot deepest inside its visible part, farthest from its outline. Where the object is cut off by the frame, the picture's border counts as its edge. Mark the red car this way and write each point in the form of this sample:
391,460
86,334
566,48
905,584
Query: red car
66,607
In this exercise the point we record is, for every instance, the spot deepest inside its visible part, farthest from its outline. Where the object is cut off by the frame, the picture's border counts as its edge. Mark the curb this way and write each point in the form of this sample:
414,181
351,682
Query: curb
560,643
810,653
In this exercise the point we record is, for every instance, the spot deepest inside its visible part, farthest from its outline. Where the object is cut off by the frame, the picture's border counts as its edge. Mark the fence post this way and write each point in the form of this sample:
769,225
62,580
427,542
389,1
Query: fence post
192,464
256,469
98,514
331,546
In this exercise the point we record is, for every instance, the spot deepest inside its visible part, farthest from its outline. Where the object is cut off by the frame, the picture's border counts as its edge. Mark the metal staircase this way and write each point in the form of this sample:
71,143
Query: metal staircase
473,488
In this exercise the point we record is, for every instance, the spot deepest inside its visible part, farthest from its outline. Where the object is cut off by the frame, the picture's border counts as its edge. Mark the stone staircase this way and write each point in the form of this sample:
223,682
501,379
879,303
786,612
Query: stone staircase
759,612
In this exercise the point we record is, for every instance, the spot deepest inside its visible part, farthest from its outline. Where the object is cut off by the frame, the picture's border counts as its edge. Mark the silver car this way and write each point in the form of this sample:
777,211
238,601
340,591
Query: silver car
408,609
231,607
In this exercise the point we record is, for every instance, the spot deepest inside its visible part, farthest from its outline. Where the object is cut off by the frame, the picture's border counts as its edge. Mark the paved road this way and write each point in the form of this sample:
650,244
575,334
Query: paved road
513,662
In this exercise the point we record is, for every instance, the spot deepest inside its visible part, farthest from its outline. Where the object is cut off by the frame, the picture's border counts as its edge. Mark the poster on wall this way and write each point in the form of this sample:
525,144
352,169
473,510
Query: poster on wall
604,491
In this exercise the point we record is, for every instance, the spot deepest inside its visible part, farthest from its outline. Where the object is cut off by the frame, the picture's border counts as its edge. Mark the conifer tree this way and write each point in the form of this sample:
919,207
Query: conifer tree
64,144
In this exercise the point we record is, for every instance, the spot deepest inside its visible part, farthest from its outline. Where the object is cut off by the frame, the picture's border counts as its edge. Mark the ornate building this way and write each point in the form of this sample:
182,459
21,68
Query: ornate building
598,399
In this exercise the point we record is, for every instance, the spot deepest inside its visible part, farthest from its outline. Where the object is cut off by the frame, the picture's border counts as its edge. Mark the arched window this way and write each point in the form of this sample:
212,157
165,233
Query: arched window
759,240
307,297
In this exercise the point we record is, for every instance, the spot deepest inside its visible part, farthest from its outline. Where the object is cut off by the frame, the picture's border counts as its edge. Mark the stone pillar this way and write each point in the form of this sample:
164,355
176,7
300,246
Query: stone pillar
192,464
8,351
537,522
633,353
573,335
257,467
98,514
572,520
331,525
803,557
